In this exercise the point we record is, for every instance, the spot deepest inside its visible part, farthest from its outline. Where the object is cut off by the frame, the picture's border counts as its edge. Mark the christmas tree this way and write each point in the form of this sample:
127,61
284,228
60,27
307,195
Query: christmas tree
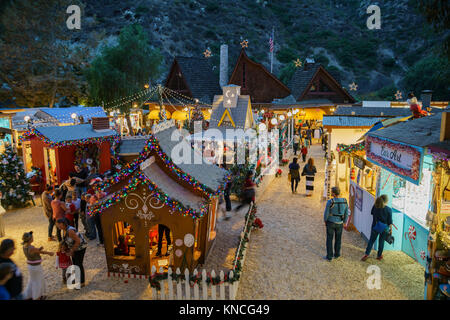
14,185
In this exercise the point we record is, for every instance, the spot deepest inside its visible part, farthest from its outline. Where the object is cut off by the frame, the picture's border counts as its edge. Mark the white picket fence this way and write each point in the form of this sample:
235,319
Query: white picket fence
189,290
201,290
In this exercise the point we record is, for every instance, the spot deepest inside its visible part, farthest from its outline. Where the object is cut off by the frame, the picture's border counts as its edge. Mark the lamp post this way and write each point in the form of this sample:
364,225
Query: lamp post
74,117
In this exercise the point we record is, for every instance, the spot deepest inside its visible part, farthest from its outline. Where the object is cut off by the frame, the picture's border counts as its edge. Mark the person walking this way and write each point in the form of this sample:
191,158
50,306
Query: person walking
309,136
335,216
309,170
59,210
46,199
35,289
381,223
304,152
163,230
80,176
226,196
248,192
13,285
294,171
76,245
296,143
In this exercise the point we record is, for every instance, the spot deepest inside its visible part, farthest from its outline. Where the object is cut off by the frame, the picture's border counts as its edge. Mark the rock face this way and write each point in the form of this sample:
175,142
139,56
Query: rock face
333,32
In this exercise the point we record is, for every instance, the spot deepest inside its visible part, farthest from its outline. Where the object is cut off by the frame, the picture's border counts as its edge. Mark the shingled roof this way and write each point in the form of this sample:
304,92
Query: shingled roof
132,146
361,111
199,76
238,114
350,121
206,173
303,76
421,132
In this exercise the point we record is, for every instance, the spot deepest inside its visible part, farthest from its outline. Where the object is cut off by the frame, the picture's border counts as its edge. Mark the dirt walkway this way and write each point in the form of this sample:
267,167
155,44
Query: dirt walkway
284,260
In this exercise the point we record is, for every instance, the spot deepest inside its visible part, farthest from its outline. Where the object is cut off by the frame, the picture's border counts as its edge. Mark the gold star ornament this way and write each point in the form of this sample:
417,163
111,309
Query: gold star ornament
398,95
353,87
207,53
297,63
244,44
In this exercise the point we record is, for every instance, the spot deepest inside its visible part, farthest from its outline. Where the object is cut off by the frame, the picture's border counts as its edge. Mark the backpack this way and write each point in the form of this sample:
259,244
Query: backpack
339,204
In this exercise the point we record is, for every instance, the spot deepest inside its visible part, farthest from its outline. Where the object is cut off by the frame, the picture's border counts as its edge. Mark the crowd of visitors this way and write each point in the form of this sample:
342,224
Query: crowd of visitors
64,206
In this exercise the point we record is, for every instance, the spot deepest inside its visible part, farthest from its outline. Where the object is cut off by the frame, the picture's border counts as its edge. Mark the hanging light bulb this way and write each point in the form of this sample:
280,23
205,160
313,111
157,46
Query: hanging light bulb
262,126
289,114
282,117
274,121
263,111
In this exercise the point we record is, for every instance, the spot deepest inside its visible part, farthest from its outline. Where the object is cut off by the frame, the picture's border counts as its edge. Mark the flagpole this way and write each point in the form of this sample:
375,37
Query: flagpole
273,41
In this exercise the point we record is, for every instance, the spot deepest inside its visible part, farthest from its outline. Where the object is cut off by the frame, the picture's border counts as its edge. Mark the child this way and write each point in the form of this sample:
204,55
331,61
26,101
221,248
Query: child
63,261
6,273
70,213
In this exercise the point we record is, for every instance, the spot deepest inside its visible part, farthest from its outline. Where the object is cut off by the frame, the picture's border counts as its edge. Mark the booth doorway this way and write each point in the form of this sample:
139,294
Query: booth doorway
160,246
50,166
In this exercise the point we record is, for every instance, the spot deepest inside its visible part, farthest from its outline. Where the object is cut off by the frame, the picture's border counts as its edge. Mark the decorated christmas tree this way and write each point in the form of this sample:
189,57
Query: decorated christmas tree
14,185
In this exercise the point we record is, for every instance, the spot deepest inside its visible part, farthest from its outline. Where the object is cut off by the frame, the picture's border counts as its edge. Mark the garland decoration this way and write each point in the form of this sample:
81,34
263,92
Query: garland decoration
350,148
155,279
33,132
140,178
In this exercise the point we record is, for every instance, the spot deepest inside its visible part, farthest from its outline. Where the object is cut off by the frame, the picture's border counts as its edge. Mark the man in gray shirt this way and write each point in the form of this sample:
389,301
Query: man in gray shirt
334,216
46,199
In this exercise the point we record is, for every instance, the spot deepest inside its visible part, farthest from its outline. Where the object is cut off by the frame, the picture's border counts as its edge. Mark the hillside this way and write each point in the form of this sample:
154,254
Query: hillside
333,32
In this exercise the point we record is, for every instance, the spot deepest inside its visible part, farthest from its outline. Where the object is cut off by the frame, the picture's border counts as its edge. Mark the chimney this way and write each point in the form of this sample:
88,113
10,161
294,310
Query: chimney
426,98
308,63
100,124
223,80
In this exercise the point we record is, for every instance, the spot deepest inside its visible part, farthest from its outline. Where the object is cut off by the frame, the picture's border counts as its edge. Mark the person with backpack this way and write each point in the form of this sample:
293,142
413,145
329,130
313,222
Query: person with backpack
76,244
335,216
381,223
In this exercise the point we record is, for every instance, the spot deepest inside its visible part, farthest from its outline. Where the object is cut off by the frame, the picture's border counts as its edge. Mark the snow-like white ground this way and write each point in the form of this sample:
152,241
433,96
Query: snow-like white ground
284,260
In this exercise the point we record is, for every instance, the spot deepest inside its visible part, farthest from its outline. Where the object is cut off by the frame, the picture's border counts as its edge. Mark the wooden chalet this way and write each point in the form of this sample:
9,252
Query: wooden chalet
256,81
156,190
194,78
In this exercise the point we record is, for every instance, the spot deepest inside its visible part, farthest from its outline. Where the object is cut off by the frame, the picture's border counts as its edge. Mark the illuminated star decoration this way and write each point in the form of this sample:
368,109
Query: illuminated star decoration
353,87
244,44
207,53
298,63
398,95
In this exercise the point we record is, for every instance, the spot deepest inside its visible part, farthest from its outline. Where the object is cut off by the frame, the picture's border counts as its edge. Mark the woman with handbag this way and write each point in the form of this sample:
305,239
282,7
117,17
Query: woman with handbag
294,174
381,226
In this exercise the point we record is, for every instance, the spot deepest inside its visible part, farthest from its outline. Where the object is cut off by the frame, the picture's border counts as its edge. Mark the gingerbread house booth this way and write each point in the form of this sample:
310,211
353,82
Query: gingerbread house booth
161,210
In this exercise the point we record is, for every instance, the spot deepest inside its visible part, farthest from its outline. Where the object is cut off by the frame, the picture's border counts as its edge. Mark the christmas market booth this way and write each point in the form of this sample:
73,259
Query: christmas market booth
55,150
408,176
158,198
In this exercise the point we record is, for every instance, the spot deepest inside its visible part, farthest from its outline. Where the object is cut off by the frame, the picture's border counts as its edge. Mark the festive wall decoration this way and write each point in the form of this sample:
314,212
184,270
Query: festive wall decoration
400,159
350,148
353,86
140,178
297,63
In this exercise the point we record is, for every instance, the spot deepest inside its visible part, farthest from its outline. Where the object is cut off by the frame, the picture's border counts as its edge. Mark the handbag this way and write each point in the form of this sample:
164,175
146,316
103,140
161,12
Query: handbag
389,239
289,176
380,227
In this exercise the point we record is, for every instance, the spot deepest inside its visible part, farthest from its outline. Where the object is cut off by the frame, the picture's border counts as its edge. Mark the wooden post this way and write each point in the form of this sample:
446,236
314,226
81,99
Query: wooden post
154,291
213,287
170,283
186,284
196,295
204,285
231,286
222,286
163,287
179,290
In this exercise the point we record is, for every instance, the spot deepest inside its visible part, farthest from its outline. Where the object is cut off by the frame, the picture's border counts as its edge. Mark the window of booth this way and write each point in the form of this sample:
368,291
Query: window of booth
124,242
160,244
411,199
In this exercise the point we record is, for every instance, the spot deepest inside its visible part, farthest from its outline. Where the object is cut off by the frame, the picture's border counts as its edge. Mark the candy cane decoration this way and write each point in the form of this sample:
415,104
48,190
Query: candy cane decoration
411,235
423,255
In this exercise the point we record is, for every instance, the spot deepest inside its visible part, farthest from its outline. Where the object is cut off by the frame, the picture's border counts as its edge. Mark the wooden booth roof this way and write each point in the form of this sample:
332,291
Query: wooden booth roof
312,73
256,81
193,77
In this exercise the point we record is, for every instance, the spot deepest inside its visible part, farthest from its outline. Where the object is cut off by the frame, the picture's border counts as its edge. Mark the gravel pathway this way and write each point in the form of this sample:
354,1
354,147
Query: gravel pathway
284,260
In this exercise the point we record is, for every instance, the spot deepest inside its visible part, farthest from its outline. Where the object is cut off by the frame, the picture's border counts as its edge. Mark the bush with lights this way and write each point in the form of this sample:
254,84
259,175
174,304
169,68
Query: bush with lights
14,185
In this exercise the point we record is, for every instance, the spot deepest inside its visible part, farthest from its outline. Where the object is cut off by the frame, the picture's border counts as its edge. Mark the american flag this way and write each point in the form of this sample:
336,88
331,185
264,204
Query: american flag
271,44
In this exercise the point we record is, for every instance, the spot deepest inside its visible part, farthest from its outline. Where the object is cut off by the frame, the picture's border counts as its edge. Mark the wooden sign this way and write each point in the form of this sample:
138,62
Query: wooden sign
400,159
360,163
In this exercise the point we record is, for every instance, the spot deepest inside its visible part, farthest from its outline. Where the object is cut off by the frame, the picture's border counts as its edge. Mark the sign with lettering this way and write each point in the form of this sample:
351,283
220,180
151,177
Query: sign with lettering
400,159
360,163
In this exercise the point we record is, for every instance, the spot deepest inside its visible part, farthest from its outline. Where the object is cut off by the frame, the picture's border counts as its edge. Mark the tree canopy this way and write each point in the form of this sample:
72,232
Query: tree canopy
123,69
40,61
